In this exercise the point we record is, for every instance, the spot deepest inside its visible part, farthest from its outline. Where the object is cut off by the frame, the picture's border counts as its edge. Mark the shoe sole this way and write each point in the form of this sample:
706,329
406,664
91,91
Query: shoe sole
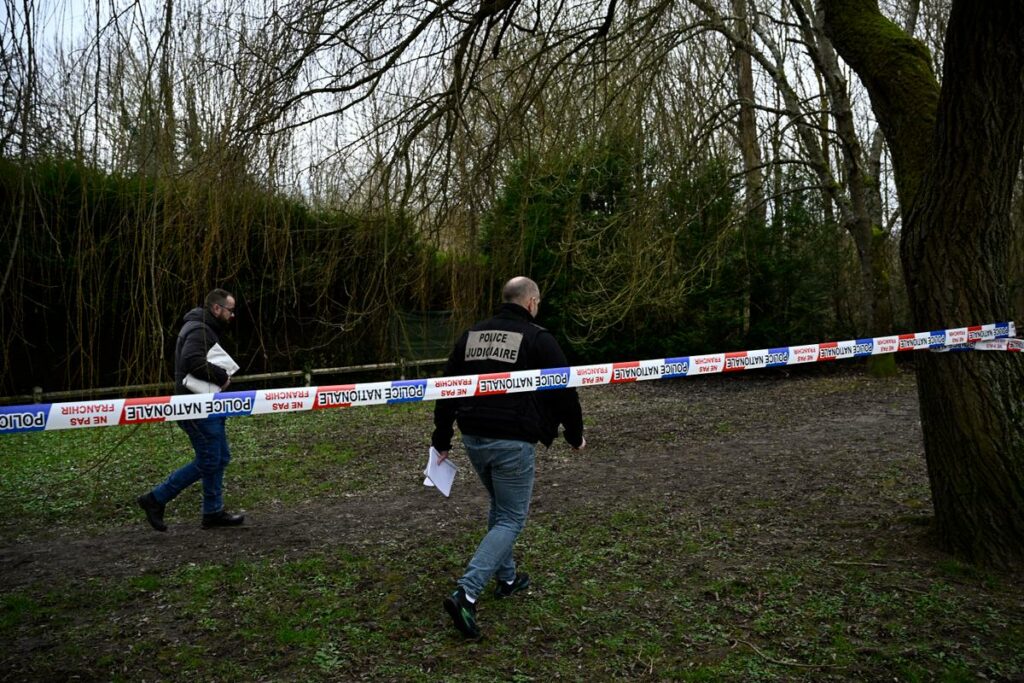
455,612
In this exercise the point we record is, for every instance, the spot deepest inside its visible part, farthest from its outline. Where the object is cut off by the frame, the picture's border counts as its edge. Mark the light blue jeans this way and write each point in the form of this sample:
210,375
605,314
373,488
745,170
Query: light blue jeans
506,468
210,443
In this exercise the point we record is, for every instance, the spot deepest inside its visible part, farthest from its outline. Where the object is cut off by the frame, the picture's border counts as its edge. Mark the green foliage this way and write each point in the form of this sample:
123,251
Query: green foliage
638,263
701,202
796,261
559,220
106,265
635,259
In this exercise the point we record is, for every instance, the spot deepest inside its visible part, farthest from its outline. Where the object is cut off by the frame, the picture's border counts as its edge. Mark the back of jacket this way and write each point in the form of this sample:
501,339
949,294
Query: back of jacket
508,342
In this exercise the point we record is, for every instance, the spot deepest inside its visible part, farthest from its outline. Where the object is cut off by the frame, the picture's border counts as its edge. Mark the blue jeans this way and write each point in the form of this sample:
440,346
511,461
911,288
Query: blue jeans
506,469
210,442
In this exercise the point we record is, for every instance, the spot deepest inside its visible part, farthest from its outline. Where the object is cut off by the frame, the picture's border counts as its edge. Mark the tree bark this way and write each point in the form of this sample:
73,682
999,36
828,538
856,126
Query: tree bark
753,179
956,155
166,132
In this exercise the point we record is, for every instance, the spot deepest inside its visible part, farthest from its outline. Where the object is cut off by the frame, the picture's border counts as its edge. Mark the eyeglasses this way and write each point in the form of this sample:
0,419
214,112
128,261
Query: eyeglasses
229,310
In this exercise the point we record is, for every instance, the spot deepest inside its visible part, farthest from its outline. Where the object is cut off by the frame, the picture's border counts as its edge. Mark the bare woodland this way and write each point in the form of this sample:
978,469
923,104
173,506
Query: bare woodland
441,123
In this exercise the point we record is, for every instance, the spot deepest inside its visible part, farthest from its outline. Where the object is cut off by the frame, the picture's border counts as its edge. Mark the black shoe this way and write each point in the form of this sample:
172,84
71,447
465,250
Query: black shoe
222,518
463,613
504,590
154,511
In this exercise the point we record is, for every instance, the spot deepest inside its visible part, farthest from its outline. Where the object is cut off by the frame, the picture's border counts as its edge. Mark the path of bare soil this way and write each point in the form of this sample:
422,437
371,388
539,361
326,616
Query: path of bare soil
802,460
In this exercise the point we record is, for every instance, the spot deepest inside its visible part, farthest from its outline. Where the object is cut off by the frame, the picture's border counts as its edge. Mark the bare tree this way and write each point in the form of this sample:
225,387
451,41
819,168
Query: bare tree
825,120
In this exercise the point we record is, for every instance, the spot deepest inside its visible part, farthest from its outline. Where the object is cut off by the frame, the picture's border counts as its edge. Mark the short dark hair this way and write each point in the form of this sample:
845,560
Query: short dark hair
218,296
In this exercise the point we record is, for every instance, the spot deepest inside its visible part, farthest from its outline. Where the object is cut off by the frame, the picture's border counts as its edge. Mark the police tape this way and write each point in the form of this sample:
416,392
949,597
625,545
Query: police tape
129,411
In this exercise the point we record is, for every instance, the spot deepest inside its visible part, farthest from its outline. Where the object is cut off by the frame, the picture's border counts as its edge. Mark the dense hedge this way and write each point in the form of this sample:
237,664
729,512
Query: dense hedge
635,261
103,267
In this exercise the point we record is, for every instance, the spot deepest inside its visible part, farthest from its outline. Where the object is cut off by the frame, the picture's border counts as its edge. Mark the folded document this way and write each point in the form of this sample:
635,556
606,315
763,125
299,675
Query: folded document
215,356
439,473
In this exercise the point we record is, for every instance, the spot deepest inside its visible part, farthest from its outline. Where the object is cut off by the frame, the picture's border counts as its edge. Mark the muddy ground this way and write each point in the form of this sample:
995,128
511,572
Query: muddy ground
819,451
822,463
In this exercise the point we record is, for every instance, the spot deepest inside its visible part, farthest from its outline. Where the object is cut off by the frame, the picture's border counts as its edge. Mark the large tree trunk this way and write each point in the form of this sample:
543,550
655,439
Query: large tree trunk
956,156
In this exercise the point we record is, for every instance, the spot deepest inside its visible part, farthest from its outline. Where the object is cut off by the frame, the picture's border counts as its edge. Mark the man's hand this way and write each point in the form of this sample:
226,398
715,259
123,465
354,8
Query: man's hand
583,444
442,456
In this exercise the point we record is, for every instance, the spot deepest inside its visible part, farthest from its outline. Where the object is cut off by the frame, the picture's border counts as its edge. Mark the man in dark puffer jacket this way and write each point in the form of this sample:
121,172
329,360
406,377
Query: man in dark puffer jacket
500,433
202,329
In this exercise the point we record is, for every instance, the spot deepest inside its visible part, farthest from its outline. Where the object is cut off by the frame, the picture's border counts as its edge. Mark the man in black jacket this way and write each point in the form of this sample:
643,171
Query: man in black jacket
201,331
500,433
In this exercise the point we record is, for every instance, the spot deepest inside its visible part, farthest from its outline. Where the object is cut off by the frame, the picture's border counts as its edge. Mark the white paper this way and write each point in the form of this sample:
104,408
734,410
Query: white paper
215,356
219,357
199,386
439,473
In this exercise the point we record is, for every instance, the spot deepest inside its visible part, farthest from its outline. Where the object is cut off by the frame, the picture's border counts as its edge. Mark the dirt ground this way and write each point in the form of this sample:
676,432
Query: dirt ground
817,450
818,472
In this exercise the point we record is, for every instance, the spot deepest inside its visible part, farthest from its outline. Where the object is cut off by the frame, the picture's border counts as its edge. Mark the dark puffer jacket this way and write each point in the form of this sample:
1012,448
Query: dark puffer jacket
197,336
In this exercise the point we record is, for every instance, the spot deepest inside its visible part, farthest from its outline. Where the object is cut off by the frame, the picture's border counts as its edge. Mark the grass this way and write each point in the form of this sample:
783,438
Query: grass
654,587
88,477
603,607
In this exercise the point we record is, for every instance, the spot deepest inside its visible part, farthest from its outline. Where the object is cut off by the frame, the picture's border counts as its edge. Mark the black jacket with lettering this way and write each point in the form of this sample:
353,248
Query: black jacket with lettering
197,336
508,342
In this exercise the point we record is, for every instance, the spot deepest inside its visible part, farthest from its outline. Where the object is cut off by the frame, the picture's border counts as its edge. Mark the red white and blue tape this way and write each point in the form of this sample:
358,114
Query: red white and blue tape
128,411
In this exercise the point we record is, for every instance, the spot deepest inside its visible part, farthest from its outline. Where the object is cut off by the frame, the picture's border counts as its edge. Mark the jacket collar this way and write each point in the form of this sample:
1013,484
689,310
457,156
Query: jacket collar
509,310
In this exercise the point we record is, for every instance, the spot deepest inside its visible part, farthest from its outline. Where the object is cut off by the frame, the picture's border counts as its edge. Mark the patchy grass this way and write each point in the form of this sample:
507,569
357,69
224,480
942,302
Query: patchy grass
740,550
88,479
614,597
